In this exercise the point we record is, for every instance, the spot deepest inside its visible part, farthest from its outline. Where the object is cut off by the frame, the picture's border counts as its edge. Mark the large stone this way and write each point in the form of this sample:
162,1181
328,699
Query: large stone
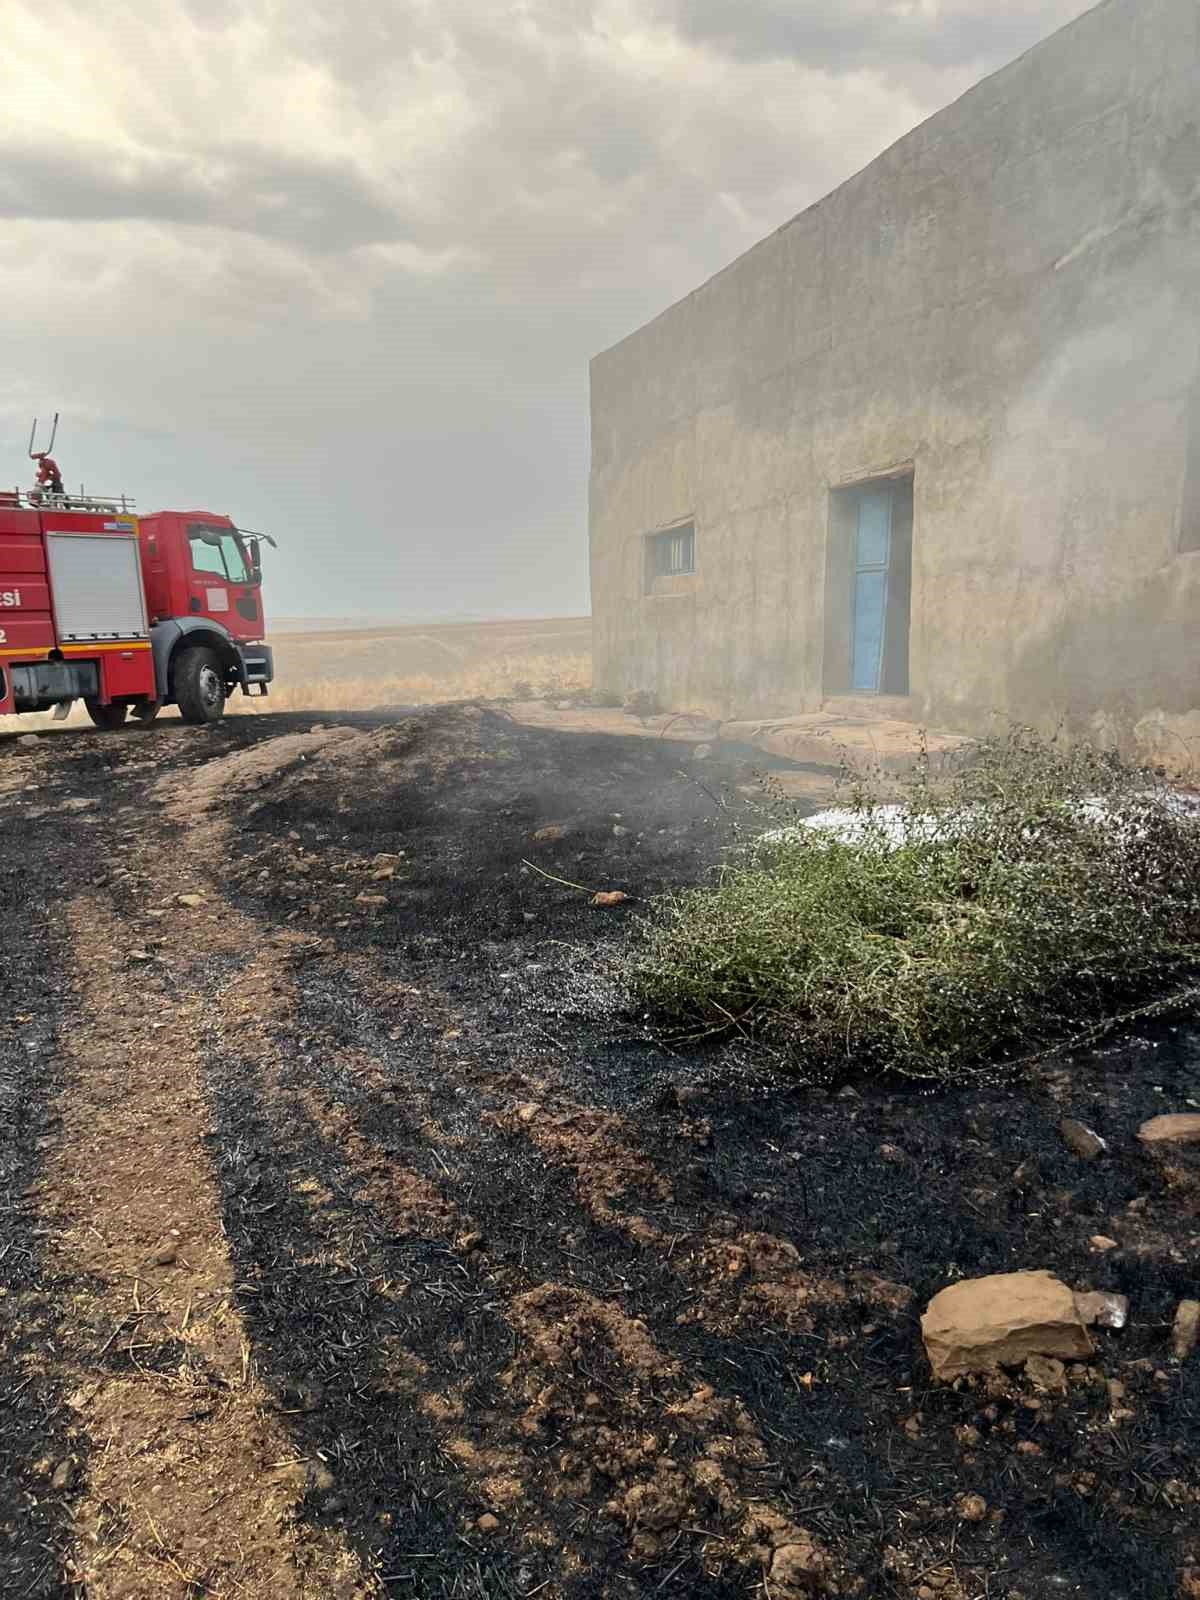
985,1323
1183,1127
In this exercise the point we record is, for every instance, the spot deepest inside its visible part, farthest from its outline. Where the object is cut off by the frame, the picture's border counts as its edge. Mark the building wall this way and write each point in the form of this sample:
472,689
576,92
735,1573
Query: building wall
1009,301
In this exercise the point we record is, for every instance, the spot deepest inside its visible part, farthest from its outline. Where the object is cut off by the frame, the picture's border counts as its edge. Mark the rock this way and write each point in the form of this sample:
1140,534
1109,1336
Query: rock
702,752
469,1242
972,1507
1101,1242
1189,1584
166,1255
1080,1139
609,897
984,1323
798,1567
528,1112
550,834
1046,1372
1104,1310
1183,1127
320,1478
27,741
64,1474
192,901
488,1523
619,831
1186,1332
370,899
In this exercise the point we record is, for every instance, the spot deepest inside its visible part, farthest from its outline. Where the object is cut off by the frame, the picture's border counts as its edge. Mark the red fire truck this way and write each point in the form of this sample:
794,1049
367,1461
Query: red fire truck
126,613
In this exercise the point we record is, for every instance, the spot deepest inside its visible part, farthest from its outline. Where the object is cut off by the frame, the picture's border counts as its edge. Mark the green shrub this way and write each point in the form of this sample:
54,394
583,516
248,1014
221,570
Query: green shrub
991,913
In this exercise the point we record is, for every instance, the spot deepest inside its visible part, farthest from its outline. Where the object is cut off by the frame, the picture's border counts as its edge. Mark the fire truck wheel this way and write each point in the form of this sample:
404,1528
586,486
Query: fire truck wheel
108,717
199,685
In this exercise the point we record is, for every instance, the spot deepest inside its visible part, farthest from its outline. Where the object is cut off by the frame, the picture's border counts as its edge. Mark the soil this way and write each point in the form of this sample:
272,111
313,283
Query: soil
357,1239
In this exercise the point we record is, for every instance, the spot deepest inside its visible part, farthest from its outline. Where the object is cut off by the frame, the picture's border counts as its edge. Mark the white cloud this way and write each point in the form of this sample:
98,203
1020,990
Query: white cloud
405,227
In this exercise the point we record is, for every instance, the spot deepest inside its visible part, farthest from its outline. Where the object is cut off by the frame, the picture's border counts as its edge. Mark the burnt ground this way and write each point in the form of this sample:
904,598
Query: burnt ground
356,1239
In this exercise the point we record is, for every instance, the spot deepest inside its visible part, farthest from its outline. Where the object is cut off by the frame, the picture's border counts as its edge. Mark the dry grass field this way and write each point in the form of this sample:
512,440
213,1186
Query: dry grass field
325,667
423,664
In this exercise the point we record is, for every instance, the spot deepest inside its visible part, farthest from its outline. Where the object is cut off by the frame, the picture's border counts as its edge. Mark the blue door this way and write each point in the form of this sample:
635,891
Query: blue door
872,553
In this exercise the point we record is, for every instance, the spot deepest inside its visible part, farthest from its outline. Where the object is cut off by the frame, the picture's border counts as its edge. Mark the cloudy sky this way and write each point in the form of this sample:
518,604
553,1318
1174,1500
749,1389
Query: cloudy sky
337,266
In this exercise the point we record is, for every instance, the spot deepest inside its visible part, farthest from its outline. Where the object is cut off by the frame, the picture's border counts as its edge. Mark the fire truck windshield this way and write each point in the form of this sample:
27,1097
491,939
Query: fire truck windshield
217,551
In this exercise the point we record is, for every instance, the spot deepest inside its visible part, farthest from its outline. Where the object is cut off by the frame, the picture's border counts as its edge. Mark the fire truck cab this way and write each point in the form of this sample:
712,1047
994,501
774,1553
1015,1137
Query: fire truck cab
203,584
126,613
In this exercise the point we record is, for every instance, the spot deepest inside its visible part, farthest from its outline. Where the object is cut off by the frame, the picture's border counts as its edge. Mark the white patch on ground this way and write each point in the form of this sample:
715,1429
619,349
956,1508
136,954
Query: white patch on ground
888,827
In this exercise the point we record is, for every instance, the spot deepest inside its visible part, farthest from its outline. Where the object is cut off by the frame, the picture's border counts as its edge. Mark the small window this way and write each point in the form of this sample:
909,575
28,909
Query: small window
671,554
216,552
207,558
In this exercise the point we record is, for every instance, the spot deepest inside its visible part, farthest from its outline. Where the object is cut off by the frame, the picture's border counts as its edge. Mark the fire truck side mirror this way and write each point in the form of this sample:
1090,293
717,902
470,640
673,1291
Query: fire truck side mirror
252,543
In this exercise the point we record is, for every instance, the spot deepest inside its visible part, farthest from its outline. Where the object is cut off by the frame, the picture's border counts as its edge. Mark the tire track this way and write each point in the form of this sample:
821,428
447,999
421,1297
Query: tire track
182,1493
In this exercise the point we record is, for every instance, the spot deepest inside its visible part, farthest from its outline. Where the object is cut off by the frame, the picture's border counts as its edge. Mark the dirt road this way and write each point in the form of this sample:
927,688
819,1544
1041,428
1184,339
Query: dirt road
356,1240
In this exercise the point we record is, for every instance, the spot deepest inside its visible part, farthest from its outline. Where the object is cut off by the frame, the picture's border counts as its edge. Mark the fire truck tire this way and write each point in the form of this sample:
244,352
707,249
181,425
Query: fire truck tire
107,717
199,685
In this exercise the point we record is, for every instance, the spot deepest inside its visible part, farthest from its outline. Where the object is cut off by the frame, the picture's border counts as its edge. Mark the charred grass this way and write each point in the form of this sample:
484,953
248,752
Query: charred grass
500,1251
41,1451
541,1094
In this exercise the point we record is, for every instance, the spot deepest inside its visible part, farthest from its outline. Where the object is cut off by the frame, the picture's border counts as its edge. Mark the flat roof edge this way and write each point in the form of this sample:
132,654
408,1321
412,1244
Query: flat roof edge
942,111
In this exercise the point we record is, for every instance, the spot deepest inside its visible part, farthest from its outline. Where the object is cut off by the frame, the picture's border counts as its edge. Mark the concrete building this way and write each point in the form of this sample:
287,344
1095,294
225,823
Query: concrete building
932,449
